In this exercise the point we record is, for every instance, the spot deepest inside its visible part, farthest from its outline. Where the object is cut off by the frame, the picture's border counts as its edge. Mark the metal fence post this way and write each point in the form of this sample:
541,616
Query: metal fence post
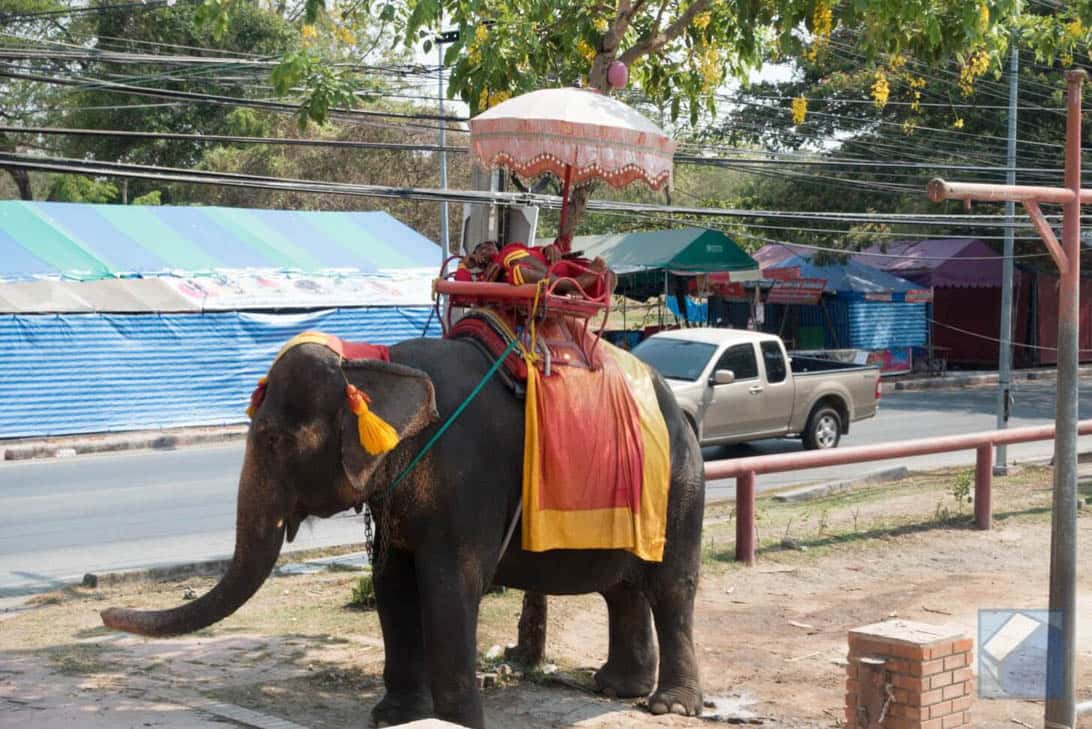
983,486
745,517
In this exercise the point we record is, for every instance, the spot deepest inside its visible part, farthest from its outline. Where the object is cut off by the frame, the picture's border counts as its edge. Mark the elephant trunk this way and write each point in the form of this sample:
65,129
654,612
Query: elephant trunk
259,534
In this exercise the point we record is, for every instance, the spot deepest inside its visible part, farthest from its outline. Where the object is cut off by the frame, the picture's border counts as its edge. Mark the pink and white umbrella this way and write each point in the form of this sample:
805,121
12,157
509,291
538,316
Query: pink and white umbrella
578,135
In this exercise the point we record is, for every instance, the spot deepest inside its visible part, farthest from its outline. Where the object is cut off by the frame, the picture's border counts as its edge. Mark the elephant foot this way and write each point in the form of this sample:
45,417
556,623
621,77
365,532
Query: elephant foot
393,709
683,701
624,682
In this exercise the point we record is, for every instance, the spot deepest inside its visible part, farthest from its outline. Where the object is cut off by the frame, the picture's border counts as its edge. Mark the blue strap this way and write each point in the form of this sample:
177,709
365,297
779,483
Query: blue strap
451,418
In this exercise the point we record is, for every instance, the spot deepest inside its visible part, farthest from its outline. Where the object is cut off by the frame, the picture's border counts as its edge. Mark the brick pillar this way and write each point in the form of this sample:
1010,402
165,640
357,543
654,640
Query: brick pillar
907,675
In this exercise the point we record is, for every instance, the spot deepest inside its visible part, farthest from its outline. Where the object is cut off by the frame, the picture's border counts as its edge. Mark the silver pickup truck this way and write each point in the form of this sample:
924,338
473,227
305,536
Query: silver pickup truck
737,385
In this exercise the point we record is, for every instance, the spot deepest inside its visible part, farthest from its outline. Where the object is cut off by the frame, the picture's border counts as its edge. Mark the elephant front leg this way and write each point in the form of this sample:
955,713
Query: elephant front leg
679,687
630,670
450,586
405,675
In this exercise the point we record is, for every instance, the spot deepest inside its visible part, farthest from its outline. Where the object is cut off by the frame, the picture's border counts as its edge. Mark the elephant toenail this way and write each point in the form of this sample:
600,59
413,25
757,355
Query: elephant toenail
658,708
679,709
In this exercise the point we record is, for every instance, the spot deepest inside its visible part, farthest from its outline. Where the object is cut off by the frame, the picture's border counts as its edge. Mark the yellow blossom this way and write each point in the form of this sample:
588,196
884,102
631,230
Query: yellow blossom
958,123
799,110
701,20
345,35
1074,28
487,99
909,127
983,17
481,33
585,49
896,61
1066,59
709,66
974,67
822,20
822,23
309,31
601,25
881,90
915,101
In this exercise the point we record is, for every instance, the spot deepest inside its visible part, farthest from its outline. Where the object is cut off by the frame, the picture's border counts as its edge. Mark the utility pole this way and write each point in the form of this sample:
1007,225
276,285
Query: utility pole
1004,349
444,247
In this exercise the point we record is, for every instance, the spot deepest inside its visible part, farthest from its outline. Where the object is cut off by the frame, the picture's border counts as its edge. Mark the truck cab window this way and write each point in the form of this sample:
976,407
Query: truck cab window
774,361
741,360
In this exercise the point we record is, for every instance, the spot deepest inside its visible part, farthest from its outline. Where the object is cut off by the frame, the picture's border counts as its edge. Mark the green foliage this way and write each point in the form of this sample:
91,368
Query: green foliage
961,488
81,189
155,197
679,52
363,595
326,87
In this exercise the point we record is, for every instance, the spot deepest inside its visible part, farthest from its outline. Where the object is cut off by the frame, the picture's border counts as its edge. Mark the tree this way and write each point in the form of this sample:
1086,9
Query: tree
680,53
167,30
931,117
21,101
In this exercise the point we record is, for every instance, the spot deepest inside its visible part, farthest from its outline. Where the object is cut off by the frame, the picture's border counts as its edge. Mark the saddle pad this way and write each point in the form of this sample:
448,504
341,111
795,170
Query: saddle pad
597,461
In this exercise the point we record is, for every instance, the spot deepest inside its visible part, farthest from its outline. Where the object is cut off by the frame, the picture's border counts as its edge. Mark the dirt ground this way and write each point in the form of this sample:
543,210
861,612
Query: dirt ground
771,638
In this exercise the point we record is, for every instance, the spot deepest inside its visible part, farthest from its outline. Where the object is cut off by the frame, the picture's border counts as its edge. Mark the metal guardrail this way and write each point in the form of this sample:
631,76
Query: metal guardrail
745,470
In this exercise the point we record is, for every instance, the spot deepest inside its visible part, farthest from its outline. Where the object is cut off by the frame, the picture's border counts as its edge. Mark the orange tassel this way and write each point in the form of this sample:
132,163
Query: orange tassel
256,398
376,435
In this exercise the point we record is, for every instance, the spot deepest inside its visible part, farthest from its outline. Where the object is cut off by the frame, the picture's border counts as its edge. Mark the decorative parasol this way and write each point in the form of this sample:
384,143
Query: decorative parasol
578,135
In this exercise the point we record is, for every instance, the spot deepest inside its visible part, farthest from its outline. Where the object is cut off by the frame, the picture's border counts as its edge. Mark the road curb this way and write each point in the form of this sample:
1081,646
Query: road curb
142,440
959,381
819,490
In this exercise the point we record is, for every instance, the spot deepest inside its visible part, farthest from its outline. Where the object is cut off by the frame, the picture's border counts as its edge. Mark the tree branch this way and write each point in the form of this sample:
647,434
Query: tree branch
657,39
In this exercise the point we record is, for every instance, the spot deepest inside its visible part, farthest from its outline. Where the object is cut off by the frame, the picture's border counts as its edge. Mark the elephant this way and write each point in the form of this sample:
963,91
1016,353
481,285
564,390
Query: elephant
441,530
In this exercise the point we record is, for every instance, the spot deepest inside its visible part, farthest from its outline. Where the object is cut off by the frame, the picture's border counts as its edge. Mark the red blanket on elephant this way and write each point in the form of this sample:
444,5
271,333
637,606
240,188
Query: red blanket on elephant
596,463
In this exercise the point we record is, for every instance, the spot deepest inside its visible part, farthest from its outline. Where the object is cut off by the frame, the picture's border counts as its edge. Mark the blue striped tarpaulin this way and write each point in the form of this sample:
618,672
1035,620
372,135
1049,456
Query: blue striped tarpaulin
92,373
88,242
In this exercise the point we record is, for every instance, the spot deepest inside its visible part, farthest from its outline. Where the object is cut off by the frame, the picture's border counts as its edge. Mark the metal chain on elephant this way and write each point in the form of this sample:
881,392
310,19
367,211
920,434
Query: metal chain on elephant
369,535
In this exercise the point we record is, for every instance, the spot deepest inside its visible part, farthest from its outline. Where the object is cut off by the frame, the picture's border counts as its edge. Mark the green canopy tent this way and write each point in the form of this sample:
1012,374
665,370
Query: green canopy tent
644,259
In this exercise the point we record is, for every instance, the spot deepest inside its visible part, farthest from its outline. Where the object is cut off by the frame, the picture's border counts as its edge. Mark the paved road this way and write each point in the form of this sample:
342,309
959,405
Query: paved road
62,518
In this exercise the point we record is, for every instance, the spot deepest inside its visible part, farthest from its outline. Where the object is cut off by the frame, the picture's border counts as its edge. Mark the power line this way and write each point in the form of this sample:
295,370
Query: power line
234,139
214,98
144,5
116,169
701,160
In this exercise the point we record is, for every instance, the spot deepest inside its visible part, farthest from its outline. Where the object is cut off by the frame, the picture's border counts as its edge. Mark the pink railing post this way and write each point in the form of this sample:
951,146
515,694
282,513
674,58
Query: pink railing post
983,486
745,517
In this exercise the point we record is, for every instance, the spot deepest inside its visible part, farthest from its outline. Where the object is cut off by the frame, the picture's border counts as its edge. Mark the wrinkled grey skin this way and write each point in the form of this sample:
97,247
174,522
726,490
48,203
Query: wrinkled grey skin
441,530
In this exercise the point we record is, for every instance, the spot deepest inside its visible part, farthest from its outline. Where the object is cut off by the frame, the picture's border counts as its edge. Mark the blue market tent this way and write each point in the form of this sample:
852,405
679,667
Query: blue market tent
850,278
121,317
862,308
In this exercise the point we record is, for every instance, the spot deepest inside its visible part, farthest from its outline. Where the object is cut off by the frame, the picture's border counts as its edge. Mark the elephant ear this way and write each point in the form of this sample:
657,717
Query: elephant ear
402,396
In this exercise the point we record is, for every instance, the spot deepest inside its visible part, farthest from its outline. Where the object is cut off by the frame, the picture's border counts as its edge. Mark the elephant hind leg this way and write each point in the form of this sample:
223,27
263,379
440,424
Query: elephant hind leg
630,670
679,687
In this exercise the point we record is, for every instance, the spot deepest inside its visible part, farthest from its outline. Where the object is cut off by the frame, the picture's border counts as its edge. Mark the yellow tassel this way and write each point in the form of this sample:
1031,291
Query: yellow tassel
376,434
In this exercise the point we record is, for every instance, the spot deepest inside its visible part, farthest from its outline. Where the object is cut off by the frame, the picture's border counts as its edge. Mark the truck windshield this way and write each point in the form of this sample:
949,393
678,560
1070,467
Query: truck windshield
675,359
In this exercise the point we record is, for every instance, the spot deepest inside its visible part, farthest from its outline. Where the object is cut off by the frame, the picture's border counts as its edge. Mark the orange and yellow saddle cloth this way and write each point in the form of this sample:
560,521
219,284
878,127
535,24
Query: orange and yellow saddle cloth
597,462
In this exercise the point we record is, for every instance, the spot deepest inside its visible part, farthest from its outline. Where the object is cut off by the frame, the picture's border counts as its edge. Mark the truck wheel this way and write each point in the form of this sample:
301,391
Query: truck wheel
824,429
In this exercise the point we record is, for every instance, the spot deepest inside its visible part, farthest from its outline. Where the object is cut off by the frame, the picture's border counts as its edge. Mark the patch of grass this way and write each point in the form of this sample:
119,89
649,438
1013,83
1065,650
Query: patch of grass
363,595
883,511
82,660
